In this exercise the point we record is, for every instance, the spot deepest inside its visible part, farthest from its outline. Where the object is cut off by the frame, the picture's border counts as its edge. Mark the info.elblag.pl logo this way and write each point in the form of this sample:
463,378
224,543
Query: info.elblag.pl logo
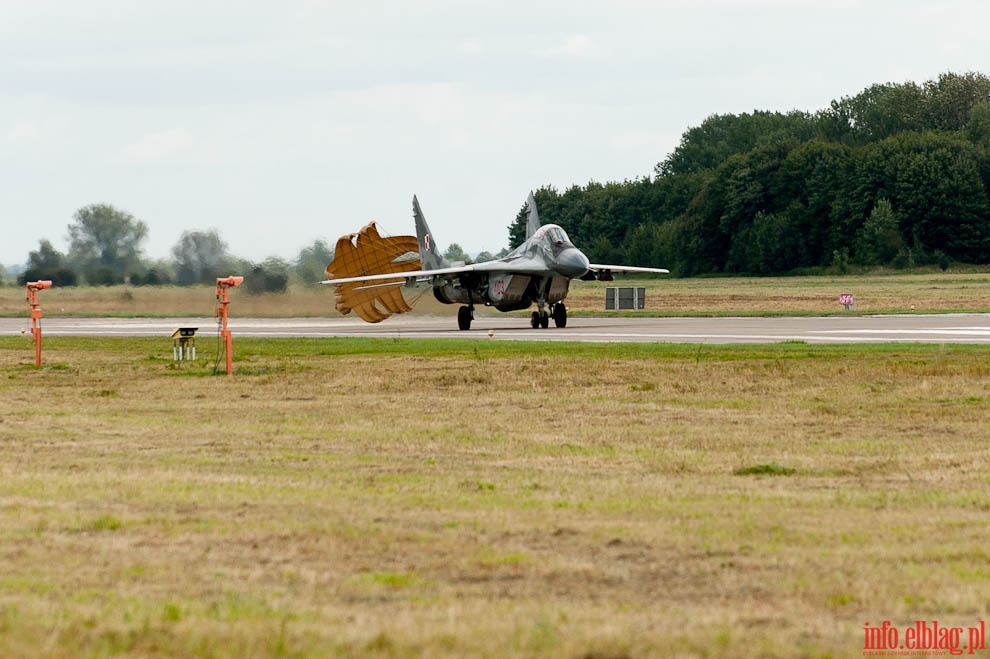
931,639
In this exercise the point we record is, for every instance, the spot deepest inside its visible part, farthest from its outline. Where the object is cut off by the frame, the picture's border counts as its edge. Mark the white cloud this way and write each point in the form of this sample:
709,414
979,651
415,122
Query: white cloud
159,146
470,47
432,104
645,141
24,131
576,45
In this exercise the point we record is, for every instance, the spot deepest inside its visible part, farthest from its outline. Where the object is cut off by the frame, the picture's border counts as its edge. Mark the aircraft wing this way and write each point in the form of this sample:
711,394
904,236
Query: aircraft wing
522,266
597,267
510,265
410,274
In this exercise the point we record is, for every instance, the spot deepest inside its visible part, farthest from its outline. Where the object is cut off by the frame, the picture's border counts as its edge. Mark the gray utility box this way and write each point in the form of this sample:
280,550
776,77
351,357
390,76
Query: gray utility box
625,298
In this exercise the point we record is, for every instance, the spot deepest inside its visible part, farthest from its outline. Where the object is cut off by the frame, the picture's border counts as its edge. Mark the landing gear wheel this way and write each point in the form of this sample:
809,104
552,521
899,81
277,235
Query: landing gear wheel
464,317
559,315
534,320
544,319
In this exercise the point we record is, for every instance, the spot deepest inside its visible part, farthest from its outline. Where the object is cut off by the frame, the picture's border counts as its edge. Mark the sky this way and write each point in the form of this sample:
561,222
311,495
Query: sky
281,123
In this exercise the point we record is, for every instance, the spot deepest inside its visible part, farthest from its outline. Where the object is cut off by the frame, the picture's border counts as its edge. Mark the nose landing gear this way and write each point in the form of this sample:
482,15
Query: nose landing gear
539,319
542,319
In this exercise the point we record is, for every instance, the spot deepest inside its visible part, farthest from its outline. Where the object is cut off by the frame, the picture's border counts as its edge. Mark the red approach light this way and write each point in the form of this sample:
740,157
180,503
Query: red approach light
36,314
233,280
223,283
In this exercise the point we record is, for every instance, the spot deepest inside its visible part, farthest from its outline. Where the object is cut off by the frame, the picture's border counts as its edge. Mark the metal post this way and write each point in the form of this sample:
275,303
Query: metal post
228,339
32,297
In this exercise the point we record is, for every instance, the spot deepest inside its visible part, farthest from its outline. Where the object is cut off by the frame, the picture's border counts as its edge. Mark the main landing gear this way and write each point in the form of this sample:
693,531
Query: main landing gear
539,318
542,319
464,317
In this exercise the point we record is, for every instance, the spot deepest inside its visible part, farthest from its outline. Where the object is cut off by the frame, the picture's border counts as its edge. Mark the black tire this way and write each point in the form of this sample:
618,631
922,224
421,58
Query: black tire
534,320
544,320
560,315
464,318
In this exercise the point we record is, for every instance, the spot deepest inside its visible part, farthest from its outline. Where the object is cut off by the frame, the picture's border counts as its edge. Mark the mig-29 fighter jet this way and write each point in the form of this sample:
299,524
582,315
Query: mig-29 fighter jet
539,270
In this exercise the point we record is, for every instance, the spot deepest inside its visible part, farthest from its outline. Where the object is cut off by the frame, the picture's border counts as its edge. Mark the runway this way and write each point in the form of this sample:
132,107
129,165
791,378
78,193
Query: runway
943,328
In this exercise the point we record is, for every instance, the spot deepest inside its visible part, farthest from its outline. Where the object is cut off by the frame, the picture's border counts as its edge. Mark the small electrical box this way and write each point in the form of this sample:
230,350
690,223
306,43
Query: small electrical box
184,343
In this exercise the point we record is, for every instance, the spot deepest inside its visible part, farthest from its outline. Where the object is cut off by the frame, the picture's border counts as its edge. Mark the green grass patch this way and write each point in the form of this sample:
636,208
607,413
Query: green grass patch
766,469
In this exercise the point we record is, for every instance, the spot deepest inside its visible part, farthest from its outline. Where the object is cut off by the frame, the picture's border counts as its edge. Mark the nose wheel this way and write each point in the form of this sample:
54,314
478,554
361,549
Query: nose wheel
559,315
539,319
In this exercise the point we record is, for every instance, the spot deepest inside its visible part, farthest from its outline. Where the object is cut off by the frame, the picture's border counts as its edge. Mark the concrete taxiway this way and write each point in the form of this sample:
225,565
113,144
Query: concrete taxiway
943,328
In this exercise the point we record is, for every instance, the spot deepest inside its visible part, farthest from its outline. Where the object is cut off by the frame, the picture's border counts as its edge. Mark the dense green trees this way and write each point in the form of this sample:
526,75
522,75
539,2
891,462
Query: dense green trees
48,263
896,175
105,243
200,257
311,264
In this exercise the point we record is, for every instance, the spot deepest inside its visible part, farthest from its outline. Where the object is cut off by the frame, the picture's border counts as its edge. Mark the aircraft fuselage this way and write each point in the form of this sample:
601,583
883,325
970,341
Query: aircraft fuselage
503,290
541,270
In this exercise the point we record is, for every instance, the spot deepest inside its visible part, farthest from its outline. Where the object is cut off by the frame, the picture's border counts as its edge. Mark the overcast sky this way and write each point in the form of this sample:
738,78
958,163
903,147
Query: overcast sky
279,123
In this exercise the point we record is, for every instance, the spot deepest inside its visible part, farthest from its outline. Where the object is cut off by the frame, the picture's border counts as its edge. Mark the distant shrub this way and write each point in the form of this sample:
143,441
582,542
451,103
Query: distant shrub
771,469
265,278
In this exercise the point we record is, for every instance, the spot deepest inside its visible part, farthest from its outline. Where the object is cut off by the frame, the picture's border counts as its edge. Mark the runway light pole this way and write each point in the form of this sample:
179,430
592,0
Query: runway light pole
32,297
223,283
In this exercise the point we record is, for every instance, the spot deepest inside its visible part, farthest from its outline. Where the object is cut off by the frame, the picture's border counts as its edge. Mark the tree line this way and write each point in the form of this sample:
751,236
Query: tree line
897,175
105,249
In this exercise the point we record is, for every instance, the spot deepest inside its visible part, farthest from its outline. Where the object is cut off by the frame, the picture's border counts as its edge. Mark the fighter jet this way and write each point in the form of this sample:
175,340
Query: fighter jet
539,270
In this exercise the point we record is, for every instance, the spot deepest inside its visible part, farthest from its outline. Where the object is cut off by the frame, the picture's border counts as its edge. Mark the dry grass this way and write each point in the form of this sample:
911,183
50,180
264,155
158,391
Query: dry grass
875,293
414,498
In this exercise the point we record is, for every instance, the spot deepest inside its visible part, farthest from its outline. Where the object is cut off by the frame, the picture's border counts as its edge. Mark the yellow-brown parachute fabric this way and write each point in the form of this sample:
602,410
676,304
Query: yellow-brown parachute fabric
368,253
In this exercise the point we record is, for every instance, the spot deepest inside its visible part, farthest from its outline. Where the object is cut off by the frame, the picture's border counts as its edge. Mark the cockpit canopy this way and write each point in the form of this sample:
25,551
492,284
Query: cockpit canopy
552,234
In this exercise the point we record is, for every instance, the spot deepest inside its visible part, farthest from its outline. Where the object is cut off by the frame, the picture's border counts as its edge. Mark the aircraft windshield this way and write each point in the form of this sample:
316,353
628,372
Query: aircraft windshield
557,235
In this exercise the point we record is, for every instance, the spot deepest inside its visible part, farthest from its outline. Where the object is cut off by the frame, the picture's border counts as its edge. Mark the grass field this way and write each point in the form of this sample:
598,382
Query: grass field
875,293
398,498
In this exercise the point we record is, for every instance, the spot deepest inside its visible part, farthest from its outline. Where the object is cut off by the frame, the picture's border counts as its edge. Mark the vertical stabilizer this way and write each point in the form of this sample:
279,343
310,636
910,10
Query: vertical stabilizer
533,219
429,251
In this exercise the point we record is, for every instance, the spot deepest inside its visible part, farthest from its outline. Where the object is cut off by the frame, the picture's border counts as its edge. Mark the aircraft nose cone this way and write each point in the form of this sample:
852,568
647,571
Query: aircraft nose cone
572,262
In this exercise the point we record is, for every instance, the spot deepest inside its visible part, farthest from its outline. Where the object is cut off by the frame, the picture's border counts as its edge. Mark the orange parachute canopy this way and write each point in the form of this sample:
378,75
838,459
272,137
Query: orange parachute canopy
368,253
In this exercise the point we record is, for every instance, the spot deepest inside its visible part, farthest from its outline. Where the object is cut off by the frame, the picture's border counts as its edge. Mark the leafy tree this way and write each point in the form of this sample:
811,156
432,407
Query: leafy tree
933,180
951,99
647,244
721,136
157,273
876,113
455,253
270,276
48,263
200,257
105,243
311,264
879,240
978,128
810,185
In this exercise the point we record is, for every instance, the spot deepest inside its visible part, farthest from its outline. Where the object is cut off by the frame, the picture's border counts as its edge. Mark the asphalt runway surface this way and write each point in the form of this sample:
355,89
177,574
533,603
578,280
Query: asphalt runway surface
942,328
